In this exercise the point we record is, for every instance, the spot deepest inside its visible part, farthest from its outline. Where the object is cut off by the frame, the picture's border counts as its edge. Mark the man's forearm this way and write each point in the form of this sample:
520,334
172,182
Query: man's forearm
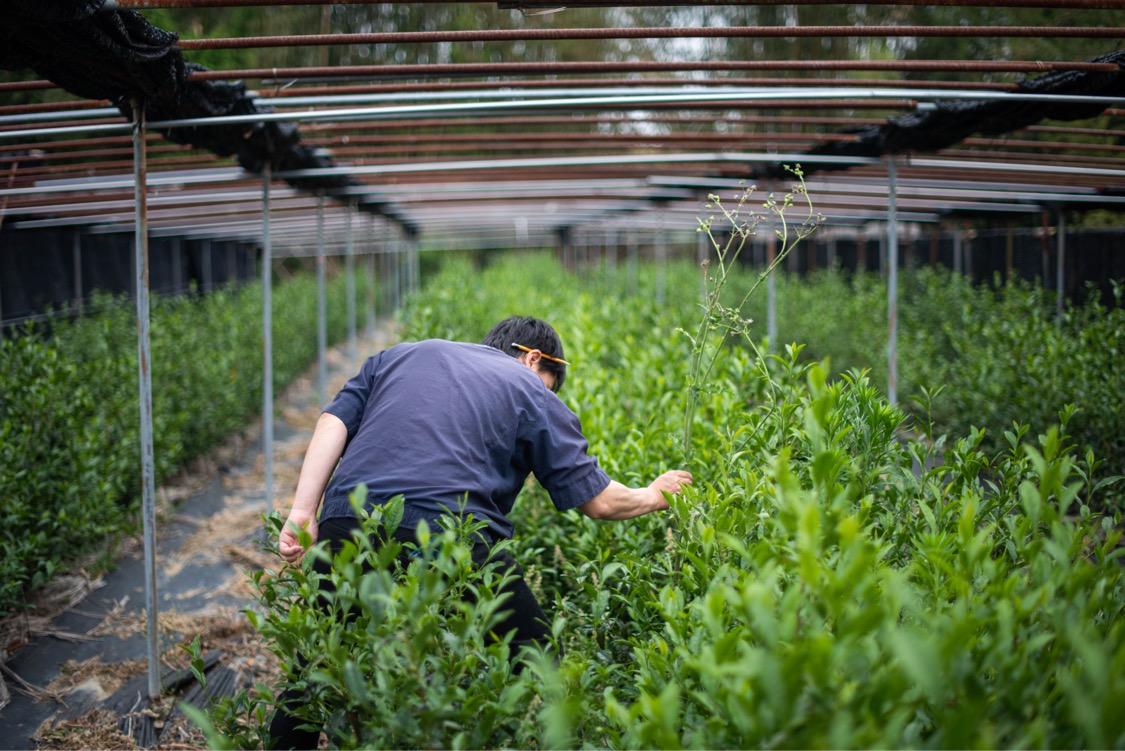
325,449
618,502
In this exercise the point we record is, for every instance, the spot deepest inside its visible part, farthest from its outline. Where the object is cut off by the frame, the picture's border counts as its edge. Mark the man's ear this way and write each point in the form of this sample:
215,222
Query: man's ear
532,359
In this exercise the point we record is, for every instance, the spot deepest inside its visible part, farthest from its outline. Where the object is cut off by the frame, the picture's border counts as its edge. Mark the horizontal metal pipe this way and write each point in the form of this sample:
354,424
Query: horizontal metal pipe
710,32
550,68
571,84
54,107
552,4
586,137
819,96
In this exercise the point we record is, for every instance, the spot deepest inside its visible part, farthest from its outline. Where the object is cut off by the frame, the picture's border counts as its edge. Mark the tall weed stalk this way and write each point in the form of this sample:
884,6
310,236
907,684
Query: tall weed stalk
719,321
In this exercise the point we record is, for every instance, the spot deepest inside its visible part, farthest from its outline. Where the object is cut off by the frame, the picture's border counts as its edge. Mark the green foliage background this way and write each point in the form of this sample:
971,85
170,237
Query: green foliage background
69,418
839,575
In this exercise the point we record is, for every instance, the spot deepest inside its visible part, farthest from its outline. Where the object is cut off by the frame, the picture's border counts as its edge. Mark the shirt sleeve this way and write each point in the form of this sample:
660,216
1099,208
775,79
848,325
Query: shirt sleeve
351,401
559,457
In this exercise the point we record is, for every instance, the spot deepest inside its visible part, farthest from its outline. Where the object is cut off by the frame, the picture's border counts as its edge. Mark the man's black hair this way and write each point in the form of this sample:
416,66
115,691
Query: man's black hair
533,334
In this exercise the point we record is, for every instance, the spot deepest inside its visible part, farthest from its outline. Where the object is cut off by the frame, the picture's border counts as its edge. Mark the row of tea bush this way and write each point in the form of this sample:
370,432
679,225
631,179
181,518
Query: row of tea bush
69,417
840,575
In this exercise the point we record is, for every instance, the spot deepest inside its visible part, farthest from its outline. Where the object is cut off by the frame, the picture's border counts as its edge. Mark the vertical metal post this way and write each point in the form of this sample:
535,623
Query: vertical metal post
702,253
321,309
76,253
832,251
610,251
1009,251
632,250
144,373
1060,267
415,264
177,266
892,281
397,257
771,286
349,269
661,260
969,233
267,339
883,251
386,299
370,256
208,271
958,251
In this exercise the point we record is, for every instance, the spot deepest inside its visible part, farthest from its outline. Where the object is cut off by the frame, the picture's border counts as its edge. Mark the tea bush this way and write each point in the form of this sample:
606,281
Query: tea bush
838,576
69,418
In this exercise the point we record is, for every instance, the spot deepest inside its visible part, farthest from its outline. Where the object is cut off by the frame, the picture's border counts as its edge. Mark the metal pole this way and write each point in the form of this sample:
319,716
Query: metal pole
386,299
661,260
321,309
370,256
415,267
1060,267
76,248
397,242
958,251
703,253
349,270
892,281
633,251
144,373
208,271
771,286
177,266
267,339
969,234
610,252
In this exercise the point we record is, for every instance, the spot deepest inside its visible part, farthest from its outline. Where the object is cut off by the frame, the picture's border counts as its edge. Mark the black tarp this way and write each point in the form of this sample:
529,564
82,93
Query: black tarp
119,56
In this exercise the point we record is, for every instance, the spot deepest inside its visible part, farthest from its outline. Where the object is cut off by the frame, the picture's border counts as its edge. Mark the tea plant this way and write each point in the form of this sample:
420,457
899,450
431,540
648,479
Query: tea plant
69,420
395,648
833,578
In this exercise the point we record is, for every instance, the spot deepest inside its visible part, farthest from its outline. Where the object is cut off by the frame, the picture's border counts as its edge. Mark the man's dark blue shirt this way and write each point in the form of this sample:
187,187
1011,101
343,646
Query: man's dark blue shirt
452,426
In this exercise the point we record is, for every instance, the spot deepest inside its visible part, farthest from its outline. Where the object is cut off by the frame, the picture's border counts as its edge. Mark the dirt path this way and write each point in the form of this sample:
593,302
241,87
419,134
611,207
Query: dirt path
77,670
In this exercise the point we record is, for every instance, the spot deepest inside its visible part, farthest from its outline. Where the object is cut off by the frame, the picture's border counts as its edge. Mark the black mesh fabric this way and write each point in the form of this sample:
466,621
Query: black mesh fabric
119,56
950,122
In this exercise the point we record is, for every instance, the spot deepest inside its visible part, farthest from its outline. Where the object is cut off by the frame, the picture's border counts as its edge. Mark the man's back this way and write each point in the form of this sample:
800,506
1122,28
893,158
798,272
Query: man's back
449,423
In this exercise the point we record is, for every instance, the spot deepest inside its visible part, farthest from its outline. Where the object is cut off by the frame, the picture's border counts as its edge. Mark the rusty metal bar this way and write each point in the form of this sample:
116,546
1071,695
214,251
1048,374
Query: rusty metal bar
565,83
493,69
571,83
588,137
552,4
710,32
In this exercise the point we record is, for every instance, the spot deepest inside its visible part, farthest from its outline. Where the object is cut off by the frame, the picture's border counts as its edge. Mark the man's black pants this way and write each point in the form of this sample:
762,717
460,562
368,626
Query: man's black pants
524,615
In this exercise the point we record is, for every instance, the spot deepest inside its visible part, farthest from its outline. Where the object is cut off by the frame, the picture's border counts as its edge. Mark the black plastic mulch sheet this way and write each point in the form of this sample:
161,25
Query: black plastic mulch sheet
119,56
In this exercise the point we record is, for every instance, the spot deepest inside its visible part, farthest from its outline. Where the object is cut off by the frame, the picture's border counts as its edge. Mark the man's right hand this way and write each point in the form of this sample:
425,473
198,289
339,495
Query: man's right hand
289,544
